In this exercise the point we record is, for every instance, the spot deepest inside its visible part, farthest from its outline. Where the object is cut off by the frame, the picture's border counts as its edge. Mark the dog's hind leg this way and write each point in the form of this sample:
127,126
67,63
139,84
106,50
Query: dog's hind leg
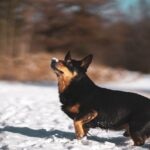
138,132
79,124
137,138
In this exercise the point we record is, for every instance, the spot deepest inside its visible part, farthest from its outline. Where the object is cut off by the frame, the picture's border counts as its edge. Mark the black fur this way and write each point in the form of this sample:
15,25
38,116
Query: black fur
115,108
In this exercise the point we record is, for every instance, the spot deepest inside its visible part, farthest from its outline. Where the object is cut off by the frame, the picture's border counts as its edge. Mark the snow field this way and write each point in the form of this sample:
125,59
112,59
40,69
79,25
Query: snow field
31,119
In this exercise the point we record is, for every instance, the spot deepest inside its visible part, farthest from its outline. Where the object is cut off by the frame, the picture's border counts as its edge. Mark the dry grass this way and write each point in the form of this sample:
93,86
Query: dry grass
36,67
28,67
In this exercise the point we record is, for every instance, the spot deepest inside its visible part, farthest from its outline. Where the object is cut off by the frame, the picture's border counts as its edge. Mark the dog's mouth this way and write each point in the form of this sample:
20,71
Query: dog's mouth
54,63
57,71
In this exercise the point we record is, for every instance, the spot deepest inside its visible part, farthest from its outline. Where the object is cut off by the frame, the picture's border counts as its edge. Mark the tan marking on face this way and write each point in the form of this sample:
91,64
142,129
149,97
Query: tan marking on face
65,70
65,78
78,124
74,108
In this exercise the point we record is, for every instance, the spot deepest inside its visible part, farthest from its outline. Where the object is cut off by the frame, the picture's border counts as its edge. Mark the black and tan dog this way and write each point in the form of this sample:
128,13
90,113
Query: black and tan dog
91,106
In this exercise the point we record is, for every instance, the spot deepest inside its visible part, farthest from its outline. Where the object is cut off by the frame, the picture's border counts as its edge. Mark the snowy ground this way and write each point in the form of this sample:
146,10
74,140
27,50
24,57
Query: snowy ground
31,119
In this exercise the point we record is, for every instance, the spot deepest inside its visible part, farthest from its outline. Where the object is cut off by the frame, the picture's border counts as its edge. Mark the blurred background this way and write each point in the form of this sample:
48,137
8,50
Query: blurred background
117,32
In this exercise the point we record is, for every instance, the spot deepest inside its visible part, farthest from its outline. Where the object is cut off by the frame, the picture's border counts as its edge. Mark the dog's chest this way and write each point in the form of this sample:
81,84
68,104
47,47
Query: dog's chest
71,110
75,108
70,106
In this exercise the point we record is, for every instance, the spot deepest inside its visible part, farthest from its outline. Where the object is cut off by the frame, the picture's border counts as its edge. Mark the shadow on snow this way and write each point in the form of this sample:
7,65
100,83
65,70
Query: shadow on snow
42,133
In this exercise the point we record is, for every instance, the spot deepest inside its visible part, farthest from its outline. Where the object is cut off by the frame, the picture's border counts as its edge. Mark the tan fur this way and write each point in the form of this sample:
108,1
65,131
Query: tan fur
78,124
65,79
79,130
74,108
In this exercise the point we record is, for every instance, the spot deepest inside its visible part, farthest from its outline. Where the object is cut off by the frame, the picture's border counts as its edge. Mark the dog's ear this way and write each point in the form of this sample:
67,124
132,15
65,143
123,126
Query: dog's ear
68,56
85,62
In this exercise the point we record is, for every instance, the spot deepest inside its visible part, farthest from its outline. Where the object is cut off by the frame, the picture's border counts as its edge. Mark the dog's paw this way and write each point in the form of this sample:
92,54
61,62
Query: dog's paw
139,143
80,135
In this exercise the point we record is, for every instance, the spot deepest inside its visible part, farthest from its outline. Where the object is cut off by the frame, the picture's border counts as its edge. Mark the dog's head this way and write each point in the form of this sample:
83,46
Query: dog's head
70,68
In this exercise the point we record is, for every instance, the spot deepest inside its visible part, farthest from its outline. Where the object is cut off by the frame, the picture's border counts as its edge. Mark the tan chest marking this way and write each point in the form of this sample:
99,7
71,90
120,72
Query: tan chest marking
74,109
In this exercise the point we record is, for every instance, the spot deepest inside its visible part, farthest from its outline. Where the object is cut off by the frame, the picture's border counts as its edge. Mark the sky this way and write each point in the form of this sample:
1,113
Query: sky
126,5
130,8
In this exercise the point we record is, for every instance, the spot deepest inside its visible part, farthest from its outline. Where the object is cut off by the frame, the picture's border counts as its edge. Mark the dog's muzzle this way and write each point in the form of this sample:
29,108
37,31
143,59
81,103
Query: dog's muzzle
53,63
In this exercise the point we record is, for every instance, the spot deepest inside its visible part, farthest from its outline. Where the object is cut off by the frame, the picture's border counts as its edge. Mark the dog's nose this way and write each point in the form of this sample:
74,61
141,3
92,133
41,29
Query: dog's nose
55,59
53,62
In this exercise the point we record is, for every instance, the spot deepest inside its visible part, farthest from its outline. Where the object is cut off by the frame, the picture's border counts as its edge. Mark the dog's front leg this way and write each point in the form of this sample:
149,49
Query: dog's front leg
78,123
79,131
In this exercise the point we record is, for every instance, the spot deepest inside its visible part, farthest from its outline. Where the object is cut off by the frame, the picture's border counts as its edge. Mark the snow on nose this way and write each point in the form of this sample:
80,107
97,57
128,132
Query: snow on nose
55,59
53,62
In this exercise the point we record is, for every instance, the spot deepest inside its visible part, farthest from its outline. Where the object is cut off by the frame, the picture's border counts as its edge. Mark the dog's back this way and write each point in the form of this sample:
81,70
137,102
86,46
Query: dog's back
118,108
